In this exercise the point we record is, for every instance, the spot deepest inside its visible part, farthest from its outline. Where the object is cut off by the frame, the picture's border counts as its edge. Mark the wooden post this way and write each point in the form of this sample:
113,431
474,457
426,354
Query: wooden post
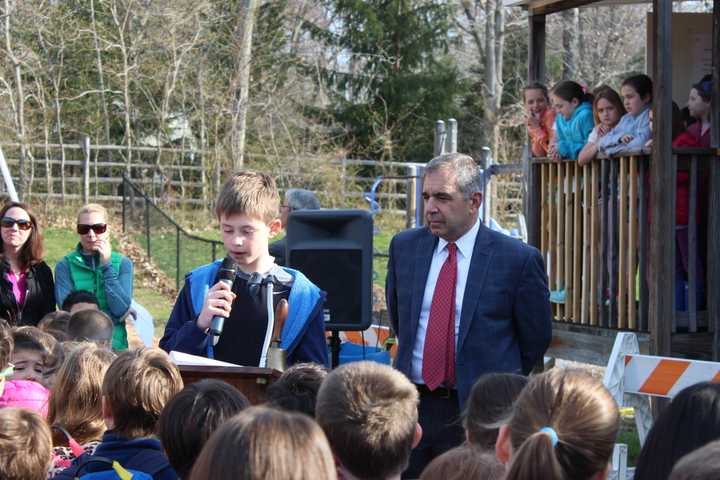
623,243
86,169
536,48
595,257
633,276
662,186
536,73
713,283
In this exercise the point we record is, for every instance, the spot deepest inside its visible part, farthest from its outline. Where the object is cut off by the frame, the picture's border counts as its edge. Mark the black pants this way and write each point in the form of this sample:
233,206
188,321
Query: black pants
439,417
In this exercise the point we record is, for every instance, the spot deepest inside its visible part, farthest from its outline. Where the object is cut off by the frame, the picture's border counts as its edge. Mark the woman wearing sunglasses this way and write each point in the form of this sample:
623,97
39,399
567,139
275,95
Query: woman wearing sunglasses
94,267
27,292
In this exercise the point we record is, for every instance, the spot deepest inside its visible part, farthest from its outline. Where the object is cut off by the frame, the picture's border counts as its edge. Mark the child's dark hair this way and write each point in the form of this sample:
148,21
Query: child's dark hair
6,343
687,119
704,88
79,296
188,420
641,83
90,326
33,339
489,406
296,390
690,421
536,86
568,90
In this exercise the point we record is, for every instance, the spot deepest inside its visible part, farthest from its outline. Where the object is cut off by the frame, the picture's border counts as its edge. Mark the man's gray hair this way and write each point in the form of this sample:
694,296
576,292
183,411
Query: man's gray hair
300,199
467,173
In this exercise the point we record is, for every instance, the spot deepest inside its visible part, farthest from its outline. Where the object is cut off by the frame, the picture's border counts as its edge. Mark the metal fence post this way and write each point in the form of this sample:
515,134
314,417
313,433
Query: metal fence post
452,136
147,226
214,251
86,169
124,206
486,163
439,141
177,257
419,202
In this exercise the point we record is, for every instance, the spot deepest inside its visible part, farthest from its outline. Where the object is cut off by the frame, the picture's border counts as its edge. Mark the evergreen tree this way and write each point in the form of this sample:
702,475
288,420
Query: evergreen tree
394,77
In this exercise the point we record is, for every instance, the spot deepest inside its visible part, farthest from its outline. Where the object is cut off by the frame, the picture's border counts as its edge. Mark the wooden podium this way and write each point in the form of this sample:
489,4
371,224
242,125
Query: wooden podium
251,381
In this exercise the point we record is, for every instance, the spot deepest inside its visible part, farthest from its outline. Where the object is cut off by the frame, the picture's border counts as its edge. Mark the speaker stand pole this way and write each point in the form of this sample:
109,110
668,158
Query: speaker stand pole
335,348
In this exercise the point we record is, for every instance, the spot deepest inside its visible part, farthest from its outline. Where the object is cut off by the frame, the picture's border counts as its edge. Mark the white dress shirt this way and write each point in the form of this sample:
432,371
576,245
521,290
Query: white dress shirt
465,246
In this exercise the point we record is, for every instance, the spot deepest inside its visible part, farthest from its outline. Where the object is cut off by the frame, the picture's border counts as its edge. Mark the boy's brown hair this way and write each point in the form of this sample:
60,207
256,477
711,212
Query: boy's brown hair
136,387
249,193
464,462
369,414
57,320
76,399
90,326
25,445
262,443
701,464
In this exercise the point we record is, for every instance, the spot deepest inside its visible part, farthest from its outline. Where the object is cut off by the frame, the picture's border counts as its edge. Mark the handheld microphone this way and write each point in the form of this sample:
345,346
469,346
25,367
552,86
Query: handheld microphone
227,273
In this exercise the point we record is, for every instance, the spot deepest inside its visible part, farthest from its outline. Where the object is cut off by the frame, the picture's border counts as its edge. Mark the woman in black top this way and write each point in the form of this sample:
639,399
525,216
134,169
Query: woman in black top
27,291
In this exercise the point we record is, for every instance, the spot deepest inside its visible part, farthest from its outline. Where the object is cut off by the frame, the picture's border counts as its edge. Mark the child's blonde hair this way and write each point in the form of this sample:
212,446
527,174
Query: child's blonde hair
76,400
249,193
25,445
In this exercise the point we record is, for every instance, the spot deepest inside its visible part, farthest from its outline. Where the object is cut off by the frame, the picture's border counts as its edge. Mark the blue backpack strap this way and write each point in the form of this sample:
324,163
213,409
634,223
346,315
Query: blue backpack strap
200,281
107,472
303,298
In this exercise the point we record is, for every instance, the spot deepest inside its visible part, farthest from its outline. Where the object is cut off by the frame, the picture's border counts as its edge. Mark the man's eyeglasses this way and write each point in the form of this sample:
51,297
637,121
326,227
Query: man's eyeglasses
98,228
8,222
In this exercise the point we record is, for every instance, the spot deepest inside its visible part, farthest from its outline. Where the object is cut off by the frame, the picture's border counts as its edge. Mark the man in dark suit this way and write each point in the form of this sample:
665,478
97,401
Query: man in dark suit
463,301
295,199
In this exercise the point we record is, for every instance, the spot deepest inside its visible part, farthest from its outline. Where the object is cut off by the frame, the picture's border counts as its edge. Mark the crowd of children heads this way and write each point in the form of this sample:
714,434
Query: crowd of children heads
572,123
359,420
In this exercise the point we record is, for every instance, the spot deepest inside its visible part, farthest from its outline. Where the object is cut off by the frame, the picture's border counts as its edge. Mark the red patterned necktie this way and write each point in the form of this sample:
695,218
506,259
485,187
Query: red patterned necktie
439,350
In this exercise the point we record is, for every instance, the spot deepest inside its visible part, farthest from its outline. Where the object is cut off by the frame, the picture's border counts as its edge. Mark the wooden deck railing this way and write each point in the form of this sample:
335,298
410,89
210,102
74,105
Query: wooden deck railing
594,236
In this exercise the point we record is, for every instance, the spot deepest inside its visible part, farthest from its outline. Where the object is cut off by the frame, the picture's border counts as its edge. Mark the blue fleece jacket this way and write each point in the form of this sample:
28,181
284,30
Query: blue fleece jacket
303,336
637,126
571,135
140,454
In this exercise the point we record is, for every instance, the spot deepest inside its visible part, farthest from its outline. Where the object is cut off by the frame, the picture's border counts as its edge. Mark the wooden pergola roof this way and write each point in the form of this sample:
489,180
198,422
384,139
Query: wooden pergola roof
542,7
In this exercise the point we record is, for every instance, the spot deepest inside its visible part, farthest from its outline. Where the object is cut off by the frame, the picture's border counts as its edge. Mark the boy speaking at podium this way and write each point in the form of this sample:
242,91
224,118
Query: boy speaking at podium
233,309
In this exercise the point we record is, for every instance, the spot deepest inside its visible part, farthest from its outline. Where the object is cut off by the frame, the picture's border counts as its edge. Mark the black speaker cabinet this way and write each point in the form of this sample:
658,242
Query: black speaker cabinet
334,249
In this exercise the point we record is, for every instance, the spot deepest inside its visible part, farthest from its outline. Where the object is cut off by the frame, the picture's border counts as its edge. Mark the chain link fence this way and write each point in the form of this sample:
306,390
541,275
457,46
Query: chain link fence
169,245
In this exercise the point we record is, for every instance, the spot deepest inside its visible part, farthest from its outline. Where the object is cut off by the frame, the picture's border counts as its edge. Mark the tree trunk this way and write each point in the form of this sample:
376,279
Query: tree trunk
241,82
571,21
101,80
20,101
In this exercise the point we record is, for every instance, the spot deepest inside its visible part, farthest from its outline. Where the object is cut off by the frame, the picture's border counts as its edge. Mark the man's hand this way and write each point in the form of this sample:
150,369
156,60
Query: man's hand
218,301
104,250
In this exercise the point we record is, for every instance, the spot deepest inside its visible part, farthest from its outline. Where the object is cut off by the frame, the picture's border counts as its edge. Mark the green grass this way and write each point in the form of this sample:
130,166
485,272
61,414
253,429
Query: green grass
60,241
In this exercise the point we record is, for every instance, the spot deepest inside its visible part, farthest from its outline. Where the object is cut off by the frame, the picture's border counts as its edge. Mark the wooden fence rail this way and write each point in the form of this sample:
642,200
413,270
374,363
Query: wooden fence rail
594,238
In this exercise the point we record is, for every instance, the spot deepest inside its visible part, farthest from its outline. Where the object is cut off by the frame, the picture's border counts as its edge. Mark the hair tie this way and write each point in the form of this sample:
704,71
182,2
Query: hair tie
551,433
8,371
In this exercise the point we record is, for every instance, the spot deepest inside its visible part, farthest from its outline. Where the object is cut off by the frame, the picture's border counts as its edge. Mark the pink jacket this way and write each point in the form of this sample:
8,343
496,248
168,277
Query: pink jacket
25,394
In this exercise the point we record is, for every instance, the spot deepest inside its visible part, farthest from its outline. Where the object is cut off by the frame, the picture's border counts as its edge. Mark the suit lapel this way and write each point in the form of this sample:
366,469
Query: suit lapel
421,268
481,257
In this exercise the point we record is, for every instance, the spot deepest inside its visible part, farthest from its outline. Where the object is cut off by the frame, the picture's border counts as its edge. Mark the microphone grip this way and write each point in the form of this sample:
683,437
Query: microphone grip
218,321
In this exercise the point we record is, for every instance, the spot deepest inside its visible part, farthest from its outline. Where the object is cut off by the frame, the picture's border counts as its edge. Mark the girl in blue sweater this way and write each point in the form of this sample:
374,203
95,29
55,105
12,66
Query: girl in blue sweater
633,131
573,120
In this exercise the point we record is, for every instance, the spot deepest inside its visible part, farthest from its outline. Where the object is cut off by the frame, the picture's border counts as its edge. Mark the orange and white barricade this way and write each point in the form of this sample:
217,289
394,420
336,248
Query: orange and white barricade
374,336
633,378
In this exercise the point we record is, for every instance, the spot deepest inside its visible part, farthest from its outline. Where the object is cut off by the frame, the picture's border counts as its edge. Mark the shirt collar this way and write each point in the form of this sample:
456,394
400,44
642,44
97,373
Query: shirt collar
466,243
